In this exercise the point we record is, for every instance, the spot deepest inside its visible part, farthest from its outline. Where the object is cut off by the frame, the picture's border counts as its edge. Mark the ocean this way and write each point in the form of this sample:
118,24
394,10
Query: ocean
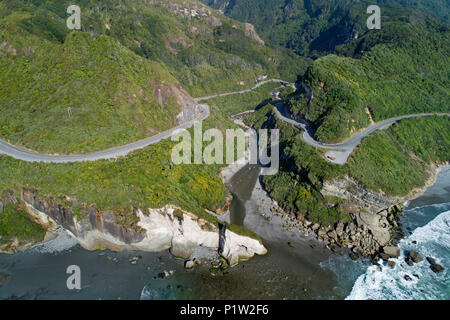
426,224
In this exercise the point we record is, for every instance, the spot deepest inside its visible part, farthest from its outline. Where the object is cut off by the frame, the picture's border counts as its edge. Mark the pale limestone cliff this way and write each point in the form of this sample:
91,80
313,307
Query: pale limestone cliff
167,228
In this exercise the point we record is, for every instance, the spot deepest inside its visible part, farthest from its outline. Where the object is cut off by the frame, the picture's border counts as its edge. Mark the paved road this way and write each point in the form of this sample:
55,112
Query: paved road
339,151
243,91
342,151
31,156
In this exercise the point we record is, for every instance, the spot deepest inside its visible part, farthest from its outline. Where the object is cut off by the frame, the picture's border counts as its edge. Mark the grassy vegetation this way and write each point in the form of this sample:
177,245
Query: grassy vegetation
393,161
237,103
144,179
117,104
206,53
15,223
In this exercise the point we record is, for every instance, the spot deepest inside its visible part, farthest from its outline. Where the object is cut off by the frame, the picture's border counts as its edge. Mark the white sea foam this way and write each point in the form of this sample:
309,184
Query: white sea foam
61,243
433,240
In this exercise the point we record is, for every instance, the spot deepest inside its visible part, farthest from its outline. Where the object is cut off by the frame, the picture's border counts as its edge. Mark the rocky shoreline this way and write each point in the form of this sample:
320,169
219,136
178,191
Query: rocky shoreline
375,228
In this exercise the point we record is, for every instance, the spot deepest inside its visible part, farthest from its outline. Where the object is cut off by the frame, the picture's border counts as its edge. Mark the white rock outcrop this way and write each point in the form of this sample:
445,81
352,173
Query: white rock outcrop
166,228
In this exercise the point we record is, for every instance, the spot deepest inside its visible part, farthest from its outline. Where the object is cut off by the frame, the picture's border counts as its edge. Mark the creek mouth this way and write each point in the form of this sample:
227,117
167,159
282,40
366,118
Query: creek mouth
284,273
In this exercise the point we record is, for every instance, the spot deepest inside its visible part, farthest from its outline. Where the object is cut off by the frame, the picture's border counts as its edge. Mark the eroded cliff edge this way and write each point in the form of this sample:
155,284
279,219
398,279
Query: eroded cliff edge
151,230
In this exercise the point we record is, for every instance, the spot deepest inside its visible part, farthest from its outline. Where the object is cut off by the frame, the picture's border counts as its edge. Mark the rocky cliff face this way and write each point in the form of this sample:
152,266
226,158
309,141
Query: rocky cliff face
154,230
374,215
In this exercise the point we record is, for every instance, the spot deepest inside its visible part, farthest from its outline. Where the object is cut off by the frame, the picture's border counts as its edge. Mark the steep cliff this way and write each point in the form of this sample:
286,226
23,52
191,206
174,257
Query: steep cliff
151,230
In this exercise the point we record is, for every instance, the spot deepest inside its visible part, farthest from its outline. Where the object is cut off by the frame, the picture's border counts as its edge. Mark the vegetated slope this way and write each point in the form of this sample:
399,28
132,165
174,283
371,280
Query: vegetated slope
81,95
120,78
394,161
315,27
401,69
206,51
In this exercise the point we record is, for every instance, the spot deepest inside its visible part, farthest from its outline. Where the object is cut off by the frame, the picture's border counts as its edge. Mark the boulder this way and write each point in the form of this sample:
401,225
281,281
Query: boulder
384,256
189,264
407,277
391,264
340,229
332,234
415,256
392,252
437,268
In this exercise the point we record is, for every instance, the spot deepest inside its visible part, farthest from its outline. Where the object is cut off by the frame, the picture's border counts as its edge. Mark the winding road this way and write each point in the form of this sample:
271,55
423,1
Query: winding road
31,156
339,152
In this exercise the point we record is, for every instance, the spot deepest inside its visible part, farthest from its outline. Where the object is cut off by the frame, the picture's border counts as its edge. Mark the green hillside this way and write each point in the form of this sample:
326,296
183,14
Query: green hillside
401,69
122,76
315,27
394,161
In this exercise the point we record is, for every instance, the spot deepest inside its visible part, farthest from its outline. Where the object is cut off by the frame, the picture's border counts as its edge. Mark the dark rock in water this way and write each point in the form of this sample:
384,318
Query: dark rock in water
375,258
161,275
354,256
409,262
414,242
416,275
407,278
415,256
437,268
431,260
391,264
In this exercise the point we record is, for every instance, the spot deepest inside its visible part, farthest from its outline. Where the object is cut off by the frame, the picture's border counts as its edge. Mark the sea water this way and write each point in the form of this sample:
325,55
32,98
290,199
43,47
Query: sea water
426,224
433,240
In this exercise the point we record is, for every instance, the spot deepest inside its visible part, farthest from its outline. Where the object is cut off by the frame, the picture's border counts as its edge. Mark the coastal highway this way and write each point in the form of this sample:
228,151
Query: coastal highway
31,156
340,152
